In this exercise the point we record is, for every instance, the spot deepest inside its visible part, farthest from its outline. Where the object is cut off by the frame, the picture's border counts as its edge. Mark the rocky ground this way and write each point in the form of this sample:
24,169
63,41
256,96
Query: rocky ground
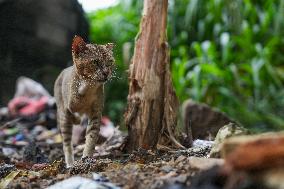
142,169
251,162
31,156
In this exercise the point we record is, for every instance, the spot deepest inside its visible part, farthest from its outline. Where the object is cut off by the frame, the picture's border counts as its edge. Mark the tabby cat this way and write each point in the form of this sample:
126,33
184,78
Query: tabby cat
79,90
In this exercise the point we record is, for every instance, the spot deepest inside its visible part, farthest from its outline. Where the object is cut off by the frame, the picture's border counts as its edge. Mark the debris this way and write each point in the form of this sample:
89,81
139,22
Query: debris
39,166
47,134
53,169
30,98
114,141
86,165
202,143
5,169
32,153
104,181
4,158
198,151
8,151
55,153
10,123
8,179
30,88
4,114
83,183
24,106
107,129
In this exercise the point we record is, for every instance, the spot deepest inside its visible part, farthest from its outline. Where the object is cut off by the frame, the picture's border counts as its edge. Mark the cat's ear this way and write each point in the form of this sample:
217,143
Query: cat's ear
78,45
109,46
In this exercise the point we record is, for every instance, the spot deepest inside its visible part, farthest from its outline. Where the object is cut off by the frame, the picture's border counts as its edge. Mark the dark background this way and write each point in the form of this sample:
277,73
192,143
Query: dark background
35,40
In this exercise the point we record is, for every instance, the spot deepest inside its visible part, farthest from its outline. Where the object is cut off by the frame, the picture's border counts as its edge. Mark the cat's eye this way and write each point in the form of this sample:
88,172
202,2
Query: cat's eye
108,63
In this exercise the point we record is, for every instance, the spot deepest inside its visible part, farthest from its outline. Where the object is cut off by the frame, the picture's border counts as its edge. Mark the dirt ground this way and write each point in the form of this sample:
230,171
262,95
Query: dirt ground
141,169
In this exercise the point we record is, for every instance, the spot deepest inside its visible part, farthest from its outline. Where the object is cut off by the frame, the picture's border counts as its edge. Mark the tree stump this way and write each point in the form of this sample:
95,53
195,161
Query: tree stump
152,103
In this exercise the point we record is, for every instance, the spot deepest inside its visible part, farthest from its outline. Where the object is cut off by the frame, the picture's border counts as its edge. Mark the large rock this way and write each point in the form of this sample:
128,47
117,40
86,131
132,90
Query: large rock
201,121
255,152
35,40
259,159
259,140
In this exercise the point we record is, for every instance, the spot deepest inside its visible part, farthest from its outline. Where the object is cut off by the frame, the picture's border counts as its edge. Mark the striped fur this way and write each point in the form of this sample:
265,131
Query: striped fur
79,90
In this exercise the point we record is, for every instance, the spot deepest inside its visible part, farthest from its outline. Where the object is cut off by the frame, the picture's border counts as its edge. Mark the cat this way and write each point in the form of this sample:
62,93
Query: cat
79,90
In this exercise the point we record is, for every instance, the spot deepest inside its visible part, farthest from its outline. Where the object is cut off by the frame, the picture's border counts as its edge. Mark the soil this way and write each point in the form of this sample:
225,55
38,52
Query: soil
141,169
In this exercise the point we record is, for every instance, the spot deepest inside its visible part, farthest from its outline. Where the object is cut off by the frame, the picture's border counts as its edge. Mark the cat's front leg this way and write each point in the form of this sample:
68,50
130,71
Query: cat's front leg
66,127
92,134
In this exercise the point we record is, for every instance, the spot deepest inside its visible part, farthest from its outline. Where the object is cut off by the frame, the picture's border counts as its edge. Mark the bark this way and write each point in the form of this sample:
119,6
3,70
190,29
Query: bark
152,103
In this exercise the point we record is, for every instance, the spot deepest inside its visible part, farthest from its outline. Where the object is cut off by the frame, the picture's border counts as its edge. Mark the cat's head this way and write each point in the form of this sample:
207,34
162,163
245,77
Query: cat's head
92,61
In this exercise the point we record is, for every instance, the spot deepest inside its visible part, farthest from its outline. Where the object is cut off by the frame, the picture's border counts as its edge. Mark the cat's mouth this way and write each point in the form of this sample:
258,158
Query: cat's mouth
102,80
104,77
98,79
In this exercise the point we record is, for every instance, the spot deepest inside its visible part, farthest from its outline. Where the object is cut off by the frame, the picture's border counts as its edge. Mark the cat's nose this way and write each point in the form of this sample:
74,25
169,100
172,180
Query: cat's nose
105,76
106,72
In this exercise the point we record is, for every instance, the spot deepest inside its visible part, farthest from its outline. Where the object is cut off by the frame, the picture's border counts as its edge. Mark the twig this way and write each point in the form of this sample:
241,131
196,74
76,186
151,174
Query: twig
10,123
173,139
163,147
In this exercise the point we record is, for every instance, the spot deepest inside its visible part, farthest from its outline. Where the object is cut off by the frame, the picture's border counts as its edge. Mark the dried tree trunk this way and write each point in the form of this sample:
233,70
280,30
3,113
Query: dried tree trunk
152,103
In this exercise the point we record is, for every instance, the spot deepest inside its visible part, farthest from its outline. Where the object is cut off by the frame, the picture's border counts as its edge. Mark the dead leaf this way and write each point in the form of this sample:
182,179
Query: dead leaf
8,179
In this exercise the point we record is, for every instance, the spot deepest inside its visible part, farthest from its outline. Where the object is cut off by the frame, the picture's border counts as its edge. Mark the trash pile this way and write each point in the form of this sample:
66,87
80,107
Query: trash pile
30,143
30,115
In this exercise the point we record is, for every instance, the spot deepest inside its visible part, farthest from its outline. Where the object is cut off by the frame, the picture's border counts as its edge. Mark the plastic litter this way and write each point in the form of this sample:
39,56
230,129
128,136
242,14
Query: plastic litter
98,182
202,143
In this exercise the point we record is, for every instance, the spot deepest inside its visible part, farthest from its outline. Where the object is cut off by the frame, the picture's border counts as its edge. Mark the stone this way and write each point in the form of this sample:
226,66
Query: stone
225,132
204,120
204,163
166,168
180,159
255,153
232,143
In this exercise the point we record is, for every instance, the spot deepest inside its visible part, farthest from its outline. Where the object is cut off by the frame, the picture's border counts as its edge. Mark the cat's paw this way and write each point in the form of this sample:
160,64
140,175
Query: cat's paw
69,162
